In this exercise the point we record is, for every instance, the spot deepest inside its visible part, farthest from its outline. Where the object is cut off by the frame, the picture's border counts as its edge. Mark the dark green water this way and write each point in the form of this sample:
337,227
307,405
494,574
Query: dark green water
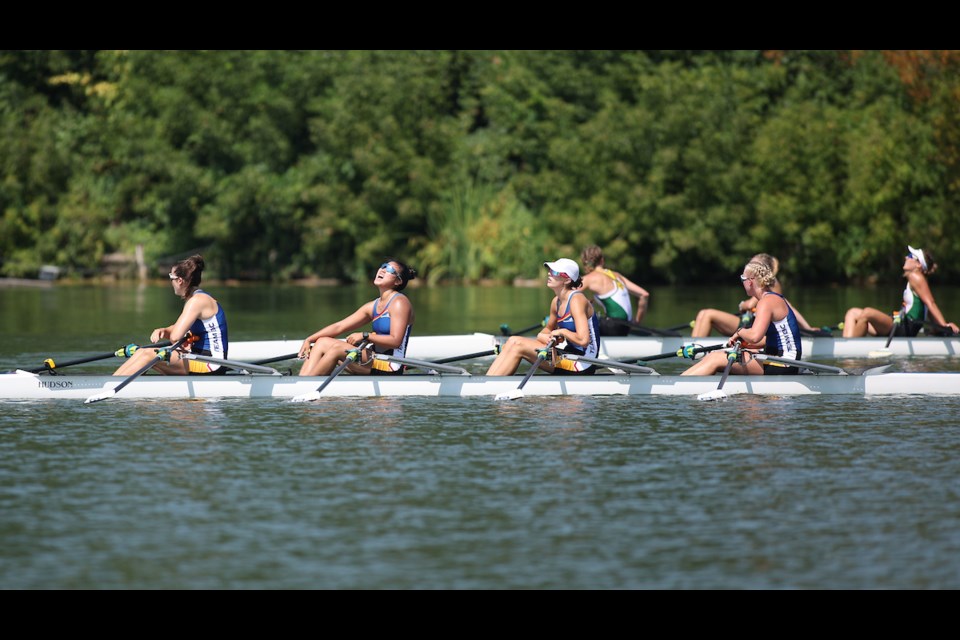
447,493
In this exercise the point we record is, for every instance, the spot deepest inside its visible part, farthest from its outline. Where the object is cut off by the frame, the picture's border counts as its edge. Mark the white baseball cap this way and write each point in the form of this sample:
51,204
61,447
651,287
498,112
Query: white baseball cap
918,254
565,265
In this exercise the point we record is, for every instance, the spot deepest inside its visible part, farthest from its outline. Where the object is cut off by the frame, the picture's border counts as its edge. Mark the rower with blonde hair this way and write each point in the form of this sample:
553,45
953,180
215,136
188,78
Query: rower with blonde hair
775,329
725,323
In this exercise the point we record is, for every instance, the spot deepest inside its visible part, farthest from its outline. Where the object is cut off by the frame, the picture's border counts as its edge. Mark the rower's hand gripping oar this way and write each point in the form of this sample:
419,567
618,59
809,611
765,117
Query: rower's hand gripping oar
717,394
123,352
162,355
352,356
541,356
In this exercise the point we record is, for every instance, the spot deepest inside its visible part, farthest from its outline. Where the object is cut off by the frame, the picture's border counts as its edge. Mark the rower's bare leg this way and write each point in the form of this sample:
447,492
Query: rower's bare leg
324,356
176,366
714,319
716,361
514,350
858,323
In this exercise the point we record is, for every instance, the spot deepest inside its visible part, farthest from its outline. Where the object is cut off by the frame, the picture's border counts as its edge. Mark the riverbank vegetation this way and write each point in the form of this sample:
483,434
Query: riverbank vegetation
480,164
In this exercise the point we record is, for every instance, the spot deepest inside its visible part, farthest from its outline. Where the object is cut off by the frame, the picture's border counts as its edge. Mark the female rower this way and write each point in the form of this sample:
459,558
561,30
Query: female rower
572,319
726,323
774,328
202,315
392,316
612,290
918,304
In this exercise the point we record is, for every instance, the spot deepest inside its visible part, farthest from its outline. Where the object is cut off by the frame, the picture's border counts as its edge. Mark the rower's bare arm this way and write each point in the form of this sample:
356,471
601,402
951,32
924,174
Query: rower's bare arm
800,319
401,315
579,306
548,329
355,320
198,306
922,287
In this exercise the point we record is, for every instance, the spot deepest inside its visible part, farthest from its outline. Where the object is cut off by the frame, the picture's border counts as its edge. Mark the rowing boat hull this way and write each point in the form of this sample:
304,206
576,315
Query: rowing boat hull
26,386
630,348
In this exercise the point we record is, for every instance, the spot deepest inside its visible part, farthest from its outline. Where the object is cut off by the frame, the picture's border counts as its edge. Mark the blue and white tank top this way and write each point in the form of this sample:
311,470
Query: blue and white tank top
565,321
381,326
212,331
783,336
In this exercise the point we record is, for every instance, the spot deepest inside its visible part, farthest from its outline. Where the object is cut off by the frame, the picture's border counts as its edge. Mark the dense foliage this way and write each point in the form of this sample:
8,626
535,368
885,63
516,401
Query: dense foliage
480,164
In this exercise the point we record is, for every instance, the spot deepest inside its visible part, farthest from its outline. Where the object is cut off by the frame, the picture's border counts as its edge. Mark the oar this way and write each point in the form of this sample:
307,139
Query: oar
614,364
822,332
469,356
289,356
161,355
123,352
800,364
431,367
505,328
885,352
352,356
243,367
689,351
718,394
518,392
641,330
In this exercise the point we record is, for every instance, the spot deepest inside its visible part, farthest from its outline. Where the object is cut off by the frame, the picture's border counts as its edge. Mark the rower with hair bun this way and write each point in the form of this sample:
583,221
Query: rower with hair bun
202,316
391,315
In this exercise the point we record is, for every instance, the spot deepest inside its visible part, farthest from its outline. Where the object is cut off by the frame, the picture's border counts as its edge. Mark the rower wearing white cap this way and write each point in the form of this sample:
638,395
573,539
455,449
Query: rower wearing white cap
918,304
572,320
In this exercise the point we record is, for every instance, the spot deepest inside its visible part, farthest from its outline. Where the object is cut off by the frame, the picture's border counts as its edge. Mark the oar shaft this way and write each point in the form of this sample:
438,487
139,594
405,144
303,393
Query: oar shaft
679,353
645,331
731,358
50,365
189,337
469,356
289,356
893,328
541,356
505,330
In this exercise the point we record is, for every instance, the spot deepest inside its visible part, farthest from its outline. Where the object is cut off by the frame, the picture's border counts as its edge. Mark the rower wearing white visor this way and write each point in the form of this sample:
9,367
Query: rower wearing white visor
918,306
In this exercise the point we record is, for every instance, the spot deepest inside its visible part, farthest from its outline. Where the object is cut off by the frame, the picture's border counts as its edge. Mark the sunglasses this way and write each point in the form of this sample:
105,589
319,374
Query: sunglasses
386,266
558,274
173,276
744,278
